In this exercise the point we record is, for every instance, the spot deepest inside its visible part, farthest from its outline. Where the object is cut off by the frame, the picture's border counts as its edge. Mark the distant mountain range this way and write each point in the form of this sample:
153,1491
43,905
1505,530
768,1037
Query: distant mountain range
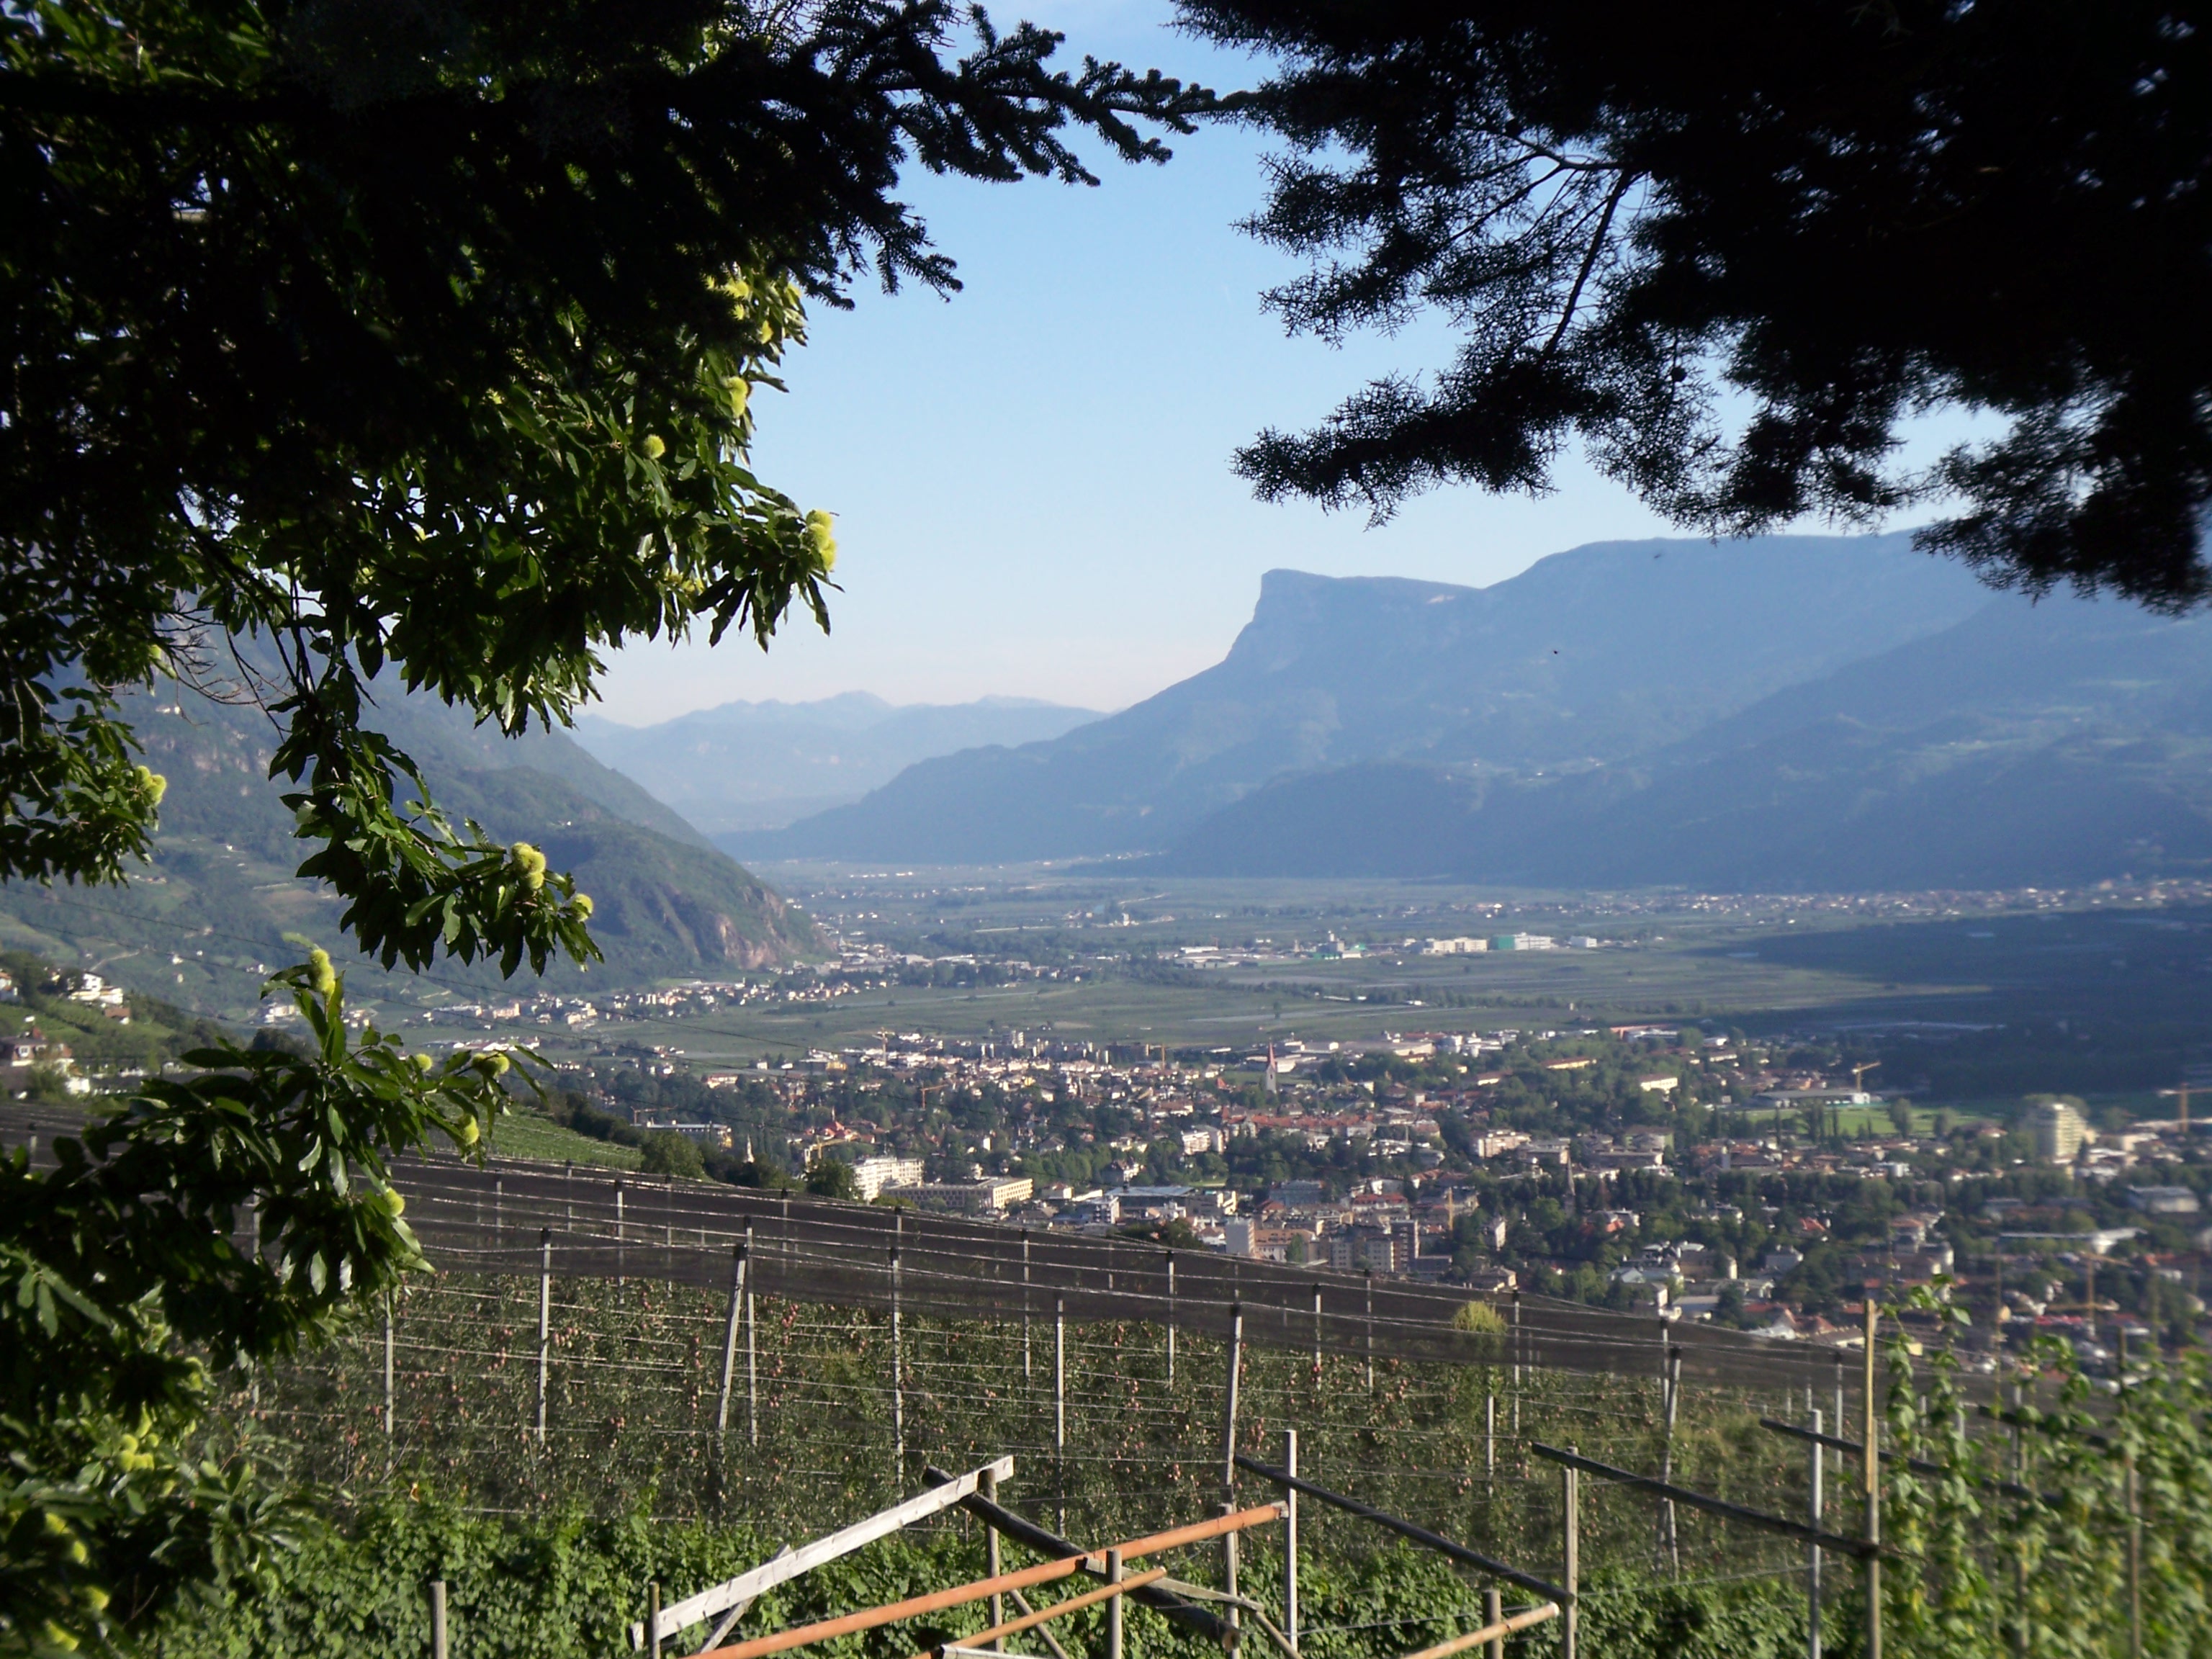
221,895
746,766
1835,713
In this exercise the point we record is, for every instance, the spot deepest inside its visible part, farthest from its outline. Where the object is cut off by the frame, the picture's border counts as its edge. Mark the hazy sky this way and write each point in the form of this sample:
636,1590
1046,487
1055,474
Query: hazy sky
1032,479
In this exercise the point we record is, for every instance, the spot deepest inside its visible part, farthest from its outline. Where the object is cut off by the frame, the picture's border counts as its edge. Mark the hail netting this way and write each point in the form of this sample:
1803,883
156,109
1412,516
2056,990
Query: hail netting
806,1249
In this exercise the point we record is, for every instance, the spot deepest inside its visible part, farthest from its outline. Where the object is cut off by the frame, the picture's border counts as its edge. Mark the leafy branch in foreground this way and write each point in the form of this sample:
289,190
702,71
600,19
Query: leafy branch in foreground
220,1221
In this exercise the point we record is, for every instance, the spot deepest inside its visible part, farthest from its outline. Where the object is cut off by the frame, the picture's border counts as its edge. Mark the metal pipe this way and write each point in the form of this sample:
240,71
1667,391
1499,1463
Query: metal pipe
1404,1529
1697,1500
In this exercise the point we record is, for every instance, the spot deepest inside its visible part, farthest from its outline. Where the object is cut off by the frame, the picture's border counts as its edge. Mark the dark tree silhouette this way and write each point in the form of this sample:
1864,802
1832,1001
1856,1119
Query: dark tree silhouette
1732,249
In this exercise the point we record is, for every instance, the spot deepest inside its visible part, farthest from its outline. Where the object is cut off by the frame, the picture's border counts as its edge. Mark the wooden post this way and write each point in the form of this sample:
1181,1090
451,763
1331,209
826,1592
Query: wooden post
1235,1368
730,1341
653,1617
1493,1614
439,1646
1114,1605
1571,1554
1873,1468
1171,1320
752,1346
1816,1514
391,1439
992,1565
544,1323
1290,1544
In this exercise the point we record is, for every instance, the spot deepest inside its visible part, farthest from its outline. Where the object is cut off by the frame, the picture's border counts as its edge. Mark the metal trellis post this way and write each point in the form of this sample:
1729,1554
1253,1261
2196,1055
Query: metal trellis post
1290,1544
898,1378
1060,1405
752,1346
1817,1515
1873,1470
730,1341
544,1322
1571,1557
1171,1319
1369,1274
1229,1452
390,1443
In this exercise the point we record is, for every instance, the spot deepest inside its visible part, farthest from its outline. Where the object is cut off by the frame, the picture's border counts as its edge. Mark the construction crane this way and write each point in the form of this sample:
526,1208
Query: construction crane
2183,1093
1858,1075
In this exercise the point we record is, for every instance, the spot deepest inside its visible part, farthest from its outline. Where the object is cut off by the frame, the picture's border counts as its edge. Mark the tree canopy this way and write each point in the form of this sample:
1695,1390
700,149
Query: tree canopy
1734,252
425,335
420,341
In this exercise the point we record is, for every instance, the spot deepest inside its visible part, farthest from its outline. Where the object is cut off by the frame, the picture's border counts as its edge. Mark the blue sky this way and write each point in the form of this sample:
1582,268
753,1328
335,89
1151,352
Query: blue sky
1032,479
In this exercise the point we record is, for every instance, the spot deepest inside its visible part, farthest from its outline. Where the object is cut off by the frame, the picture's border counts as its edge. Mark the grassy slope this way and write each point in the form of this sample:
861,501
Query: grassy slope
526,1134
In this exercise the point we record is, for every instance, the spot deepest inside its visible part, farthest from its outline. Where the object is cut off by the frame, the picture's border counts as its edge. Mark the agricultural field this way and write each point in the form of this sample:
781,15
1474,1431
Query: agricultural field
547,1542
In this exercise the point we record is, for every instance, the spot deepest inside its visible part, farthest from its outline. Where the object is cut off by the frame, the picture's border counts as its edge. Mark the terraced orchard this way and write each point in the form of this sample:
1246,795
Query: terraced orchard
585,1398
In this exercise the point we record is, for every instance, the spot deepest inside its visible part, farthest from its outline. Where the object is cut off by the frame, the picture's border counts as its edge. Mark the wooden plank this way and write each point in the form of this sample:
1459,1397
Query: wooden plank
1104,1592
1045,1572
1196,1532
1045,1542
1404,1529
1496,1632
789,1566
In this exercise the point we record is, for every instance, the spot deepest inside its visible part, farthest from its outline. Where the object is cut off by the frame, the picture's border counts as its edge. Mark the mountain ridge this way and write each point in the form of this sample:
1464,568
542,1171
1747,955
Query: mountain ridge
2062,743
1589,655
743,766
219,902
